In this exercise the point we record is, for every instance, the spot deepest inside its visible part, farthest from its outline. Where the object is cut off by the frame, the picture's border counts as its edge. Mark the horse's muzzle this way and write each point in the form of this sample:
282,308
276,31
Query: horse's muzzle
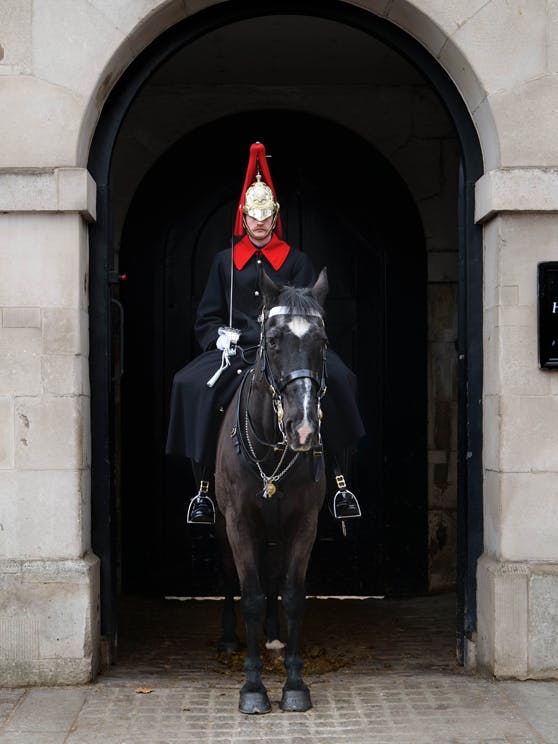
302,436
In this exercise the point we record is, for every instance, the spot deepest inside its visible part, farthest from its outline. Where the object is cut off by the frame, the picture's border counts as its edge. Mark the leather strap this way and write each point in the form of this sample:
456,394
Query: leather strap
296,375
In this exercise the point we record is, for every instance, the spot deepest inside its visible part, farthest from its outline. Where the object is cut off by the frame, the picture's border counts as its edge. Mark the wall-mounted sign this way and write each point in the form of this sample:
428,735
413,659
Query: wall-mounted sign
548,314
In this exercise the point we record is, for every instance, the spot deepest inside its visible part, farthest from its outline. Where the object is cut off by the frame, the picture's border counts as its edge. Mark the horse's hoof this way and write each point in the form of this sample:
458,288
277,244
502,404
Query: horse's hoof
295,701
254,702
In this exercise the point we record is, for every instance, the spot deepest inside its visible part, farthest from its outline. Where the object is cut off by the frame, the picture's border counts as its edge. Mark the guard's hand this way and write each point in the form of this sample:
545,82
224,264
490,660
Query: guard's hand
227,339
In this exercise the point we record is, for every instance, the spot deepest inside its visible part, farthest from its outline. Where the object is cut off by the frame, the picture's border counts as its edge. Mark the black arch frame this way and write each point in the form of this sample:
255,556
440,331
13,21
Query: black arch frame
470,539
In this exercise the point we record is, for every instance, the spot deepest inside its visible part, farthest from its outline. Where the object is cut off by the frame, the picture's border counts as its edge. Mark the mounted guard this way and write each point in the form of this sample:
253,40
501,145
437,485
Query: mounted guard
227,329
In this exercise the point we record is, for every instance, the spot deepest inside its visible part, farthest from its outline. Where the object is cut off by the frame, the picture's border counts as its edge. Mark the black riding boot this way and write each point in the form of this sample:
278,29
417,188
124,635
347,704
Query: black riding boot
201,509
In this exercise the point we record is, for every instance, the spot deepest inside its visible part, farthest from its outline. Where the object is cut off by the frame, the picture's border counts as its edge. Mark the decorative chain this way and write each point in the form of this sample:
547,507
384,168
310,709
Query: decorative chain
275,476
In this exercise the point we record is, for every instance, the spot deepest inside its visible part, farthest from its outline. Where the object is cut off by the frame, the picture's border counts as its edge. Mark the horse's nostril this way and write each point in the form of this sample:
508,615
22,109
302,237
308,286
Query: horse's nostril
304,434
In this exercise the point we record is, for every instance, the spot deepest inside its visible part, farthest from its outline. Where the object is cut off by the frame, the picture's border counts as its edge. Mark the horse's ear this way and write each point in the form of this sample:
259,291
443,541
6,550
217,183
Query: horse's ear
321,287
270,291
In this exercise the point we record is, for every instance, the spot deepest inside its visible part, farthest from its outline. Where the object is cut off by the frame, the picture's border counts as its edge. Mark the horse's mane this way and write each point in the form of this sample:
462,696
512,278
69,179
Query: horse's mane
299,300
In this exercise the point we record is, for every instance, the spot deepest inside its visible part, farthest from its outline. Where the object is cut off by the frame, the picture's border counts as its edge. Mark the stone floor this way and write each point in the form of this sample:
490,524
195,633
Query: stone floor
380,672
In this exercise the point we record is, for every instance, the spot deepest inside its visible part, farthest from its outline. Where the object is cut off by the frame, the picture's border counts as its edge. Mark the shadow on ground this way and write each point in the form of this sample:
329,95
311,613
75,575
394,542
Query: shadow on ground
172,638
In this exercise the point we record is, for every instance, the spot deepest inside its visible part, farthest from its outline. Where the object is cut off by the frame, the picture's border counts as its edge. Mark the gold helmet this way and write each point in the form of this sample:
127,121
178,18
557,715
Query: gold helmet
259,201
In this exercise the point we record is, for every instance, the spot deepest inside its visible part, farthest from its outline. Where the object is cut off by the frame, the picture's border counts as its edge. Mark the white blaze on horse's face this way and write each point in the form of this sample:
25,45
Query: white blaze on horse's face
305,429
299,326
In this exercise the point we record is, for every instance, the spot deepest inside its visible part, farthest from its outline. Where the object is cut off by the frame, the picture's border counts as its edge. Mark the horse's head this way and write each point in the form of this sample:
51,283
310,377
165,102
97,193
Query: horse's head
293,350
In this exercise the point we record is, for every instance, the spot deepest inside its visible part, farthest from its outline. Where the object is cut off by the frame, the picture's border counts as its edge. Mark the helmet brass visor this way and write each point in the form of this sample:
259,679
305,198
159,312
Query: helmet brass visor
260,214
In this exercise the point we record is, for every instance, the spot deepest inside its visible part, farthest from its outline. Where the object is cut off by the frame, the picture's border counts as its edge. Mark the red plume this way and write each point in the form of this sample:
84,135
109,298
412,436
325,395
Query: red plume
257,158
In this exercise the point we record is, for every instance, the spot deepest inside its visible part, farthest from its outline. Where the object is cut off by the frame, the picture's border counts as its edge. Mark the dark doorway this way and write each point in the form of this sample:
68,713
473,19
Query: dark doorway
105,472
345,206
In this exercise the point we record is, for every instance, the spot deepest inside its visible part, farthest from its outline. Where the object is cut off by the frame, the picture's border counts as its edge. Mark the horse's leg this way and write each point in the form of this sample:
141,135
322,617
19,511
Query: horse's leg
296,695
271,623
229,641
253,695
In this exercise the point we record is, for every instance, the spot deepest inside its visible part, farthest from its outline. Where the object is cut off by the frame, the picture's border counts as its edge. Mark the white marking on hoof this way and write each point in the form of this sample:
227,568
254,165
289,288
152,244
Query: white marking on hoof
276,645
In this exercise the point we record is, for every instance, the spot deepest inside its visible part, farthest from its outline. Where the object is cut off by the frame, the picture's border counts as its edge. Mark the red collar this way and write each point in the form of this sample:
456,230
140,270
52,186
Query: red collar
276,251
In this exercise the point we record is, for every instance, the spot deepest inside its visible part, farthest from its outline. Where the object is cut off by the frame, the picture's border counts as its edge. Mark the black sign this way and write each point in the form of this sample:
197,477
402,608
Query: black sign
548,314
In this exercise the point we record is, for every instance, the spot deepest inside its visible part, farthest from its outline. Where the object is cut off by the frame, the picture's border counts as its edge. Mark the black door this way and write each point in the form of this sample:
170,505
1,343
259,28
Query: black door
343,205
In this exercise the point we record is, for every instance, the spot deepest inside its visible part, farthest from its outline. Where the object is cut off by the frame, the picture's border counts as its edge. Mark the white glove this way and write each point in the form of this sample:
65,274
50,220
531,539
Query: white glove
227,339
226,342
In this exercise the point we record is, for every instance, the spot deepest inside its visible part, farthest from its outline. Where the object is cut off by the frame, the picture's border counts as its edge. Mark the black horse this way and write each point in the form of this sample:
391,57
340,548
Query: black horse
269,476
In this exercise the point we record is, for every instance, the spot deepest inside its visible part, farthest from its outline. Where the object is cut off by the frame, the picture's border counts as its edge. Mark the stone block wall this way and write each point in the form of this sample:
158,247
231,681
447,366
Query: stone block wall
518,574
48,577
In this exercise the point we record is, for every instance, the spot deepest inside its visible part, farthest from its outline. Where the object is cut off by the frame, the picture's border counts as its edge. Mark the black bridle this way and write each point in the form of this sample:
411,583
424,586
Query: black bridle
241,433
278,386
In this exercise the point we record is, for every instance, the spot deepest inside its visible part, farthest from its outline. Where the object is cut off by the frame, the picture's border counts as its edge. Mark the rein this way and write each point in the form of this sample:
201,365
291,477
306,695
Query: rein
241,430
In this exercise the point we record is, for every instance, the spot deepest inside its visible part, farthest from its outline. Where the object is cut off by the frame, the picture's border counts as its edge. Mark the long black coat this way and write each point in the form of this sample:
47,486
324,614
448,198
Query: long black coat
196,410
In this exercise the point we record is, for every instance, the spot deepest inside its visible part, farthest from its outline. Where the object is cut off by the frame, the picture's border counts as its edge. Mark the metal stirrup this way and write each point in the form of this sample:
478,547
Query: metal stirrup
198,499
342,490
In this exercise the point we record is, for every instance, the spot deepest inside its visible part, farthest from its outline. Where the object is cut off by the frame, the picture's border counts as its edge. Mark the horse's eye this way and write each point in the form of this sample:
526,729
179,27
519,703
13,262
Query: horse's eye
272,342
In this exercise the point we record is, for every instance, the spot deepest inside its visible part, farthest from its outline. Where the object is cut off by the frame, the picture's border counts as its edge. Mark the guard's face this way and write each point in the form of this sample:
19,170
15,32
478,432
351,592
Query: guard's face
258,228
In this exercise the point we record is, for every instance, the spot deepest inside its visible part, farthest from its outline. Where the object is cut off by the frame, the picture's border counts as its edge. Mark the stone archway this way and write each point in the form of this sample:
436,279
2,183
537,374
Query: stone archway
102,237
